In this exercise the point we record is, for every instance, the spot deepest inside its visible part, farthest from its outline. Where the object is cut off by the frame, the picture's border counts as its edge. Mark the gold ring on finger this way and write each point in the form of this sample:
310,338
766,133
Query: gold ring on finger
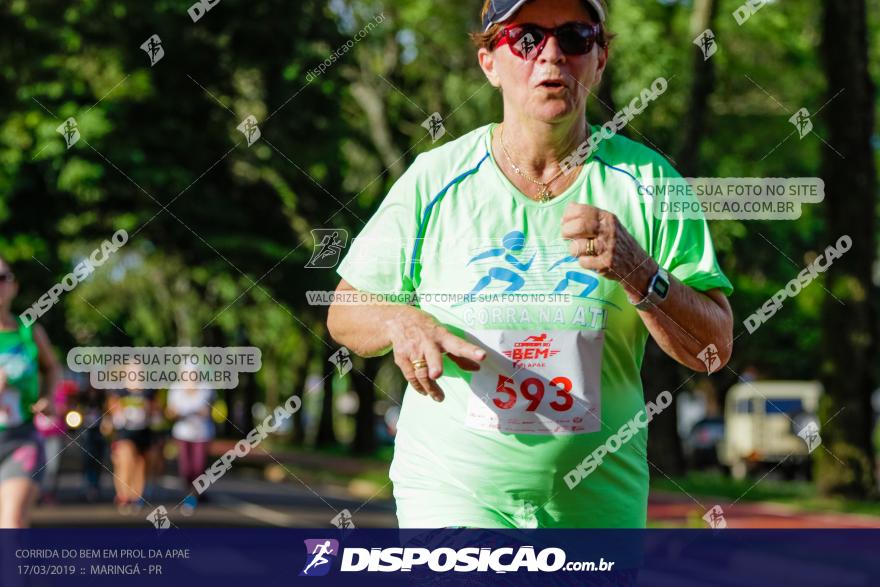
591,247
419,364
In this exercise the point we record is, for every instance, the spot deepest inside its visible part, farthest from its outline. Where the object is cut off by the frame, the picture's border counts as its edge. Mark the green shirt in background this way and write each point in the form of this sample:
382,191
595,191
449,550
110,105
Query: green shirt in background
18,359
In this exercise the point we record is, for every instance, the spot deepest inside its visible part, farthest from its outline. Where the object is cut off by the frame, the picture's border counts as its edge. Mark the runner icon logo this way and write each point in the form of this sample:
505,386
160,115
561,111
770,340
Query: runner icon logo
513,253
320,555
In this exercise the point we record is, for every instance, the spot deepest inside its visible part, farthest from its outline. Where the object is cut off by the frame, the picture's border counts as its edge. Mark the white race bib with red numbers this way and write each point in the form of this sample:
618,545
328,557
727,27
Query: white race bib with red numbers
10,408
537,382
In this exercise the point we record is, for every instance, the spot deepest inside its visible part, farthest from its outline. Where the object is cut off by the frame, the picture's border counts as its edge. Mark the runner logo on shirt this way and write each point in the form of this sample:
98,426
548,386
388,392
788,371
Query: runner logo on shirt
516,272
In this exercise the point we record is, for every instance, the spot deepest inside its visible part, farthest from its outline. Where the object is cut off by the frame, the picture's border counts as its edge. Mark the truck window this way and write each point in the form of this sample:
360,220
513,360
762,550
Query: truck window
784,405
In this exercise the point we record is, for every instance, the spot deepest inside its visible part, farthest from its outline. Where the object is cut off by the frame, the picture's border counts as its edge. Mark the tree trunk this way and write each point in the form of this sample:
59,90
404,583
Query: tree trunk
702,86
298,434
849,329
660,373
326,435
365,419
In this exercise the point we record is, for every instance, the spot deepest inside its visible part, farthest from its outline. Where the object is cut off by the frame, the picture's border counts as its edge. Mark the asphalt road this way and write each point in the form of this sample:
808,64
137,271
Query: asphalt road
232,502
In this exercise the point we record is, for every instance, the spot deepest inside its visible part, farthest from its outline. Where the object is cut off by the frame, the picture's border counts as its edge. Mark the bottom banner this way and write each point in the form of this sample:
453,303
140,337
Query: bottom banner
278,557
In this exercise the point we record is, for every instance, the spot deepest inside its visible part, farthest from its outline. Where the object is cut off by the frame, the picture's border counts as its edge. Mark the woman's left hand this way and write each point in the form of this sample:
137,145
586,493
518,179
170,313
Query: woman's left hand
43,406
618,256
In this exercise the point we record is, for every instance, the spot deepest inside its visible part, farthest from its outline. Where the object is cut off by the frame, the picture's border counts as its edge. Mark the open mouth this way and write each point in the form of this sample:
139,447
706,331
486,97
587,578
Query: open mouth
552,84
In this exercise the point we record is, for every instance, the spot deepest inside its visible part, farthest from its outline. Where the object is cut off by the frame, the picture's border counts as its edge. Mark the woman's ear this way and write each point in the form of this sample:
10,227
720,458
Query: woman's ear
487,64
600,67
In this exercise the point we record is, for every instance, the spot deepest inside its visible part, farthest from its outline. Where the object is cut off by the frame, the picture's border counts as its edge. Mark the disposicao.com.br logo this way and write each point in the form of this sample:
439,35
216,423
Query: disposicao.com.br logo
322,552
320,555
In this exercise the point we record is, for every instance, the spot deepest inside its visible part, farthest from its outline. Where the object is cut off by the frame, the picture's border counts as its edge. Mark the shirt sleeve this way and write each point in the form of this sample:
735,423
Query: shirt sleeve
380,257
683,243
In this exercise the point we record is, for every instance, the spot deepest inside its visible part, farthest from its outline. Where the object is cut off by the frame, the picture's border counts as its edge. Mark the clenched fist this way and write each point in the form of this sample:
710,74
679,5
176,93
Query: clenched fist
615,253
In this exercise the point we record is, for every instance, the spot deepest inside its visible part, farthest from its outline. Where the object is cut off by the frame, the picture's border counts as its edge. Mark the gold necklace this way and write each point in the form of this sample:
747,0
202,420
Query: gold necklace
545,194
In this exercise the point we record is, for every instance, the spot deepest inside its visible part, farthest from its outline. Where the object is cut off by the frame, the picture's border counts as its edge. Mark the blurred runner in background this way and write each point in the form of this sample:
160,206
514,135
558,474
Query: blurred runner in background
53,434
28,370
193,431
131,411
94,446
160,429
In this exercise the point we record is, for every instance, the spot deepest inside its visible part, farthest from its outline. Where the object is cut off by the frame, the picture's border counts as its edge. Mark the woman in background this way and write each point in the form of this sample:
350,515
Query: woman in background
193,431
52,432
28,371
131,411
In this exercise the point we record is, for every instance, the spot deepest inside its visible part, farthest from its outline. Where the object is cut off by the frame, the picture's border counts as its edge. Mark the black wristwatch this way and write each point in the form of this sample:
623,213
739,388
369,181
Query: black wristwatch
658,289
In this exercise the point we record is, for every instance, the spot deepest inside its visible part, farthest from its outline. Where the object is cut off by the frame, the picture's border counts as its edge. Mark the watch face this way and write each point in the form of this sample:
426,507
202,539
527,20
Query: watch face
661,285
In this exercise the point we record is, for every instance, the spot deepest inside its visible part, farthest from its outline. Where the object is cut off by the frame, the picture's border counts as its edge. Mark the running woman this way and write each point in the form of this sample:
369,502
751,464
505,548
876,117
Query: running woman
28,372
190,408
131,411
537,290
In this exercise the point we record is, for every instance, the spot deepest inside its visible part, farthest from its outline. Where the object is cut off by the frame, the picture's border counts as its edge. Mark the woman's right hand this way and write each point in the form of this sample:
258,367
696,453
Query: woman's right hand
416,335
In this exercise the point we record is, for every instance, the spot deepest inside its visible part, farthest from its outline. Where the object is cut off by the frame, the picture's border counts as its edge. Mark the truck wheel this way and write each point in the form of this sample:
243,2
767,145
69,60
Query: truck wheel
739,470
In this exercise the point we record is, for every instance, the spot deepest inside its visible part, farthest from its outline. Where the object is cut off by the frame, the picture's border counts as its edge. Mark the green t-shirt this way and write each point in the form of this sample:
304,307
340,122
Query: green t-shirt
564,345
18,359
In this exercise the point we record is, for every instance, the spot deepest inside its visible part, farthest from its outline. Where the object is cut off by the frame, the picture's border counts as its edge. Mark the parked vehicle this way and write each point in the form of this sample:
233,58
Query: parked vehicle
762,423
701,444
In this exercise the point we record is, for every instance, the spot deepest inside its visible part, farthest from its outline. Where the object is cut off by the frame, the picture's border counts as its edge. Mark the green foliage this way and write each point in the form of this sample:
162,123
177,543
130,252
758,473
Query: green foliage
220,232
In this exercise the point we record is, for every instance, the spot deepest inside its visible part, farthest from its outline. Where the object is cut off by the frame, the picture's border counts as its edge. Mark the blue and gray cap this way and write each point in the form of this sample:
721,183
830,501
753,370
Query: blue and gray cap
502,10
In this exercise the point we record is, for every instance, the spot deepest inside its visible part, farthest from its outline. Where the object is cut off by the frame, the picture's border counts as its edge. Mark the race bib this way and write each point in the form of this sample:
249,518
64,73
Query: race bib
10,408
537,382
134,417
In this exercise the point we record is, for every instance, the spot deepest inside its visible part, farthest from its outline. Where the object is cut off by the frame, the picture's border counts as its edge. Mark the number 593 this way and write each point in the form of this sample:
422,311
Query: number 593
532,390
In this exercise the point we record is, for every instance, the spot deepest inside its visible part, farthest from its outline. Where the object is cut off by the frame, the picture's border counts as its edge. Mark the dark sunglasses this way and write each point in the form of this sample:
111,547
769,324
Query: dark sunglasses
526,41
7,277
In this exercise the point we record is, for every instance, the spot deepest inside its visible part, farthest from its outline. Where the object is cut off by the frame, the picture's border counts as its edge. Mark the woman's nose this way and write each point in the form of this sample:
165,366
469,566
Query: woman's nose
551,52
